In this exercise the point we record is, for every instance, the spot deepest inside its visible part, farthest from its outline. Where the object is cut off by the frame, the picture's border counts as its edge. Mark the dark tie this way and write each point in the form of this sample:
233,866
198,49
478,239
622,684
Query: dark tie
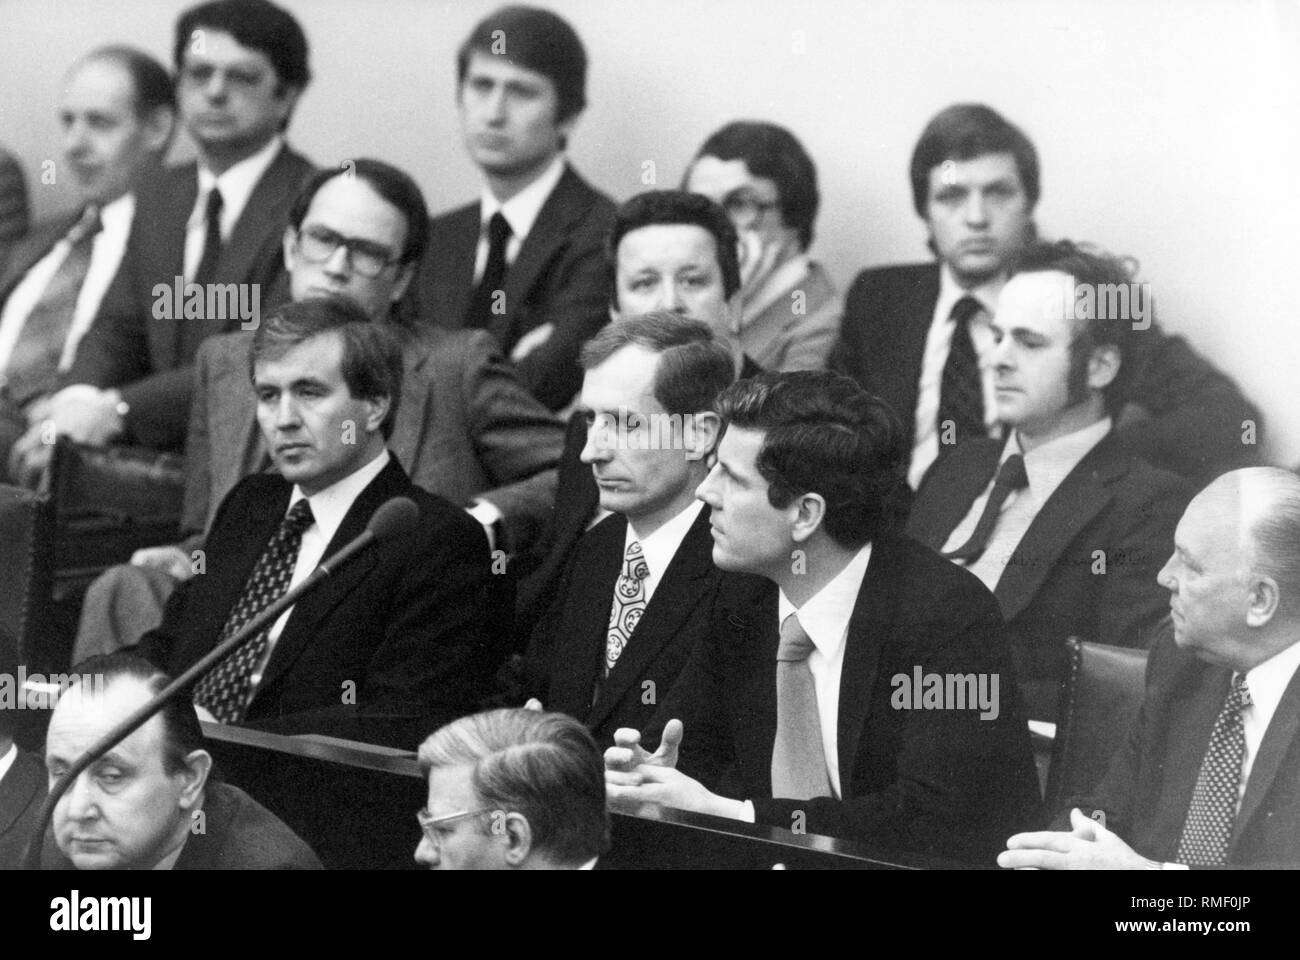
225,690
1213,810
799,769
1011,476
207,270
33,366
629,604
961,392
480,313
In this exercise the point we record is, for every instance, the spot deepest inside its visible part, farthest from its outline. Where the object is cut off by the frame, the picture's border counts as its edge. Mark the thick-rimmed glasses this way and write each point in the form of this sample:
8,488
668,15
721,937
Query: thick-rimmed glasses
745,208
317,244
429,823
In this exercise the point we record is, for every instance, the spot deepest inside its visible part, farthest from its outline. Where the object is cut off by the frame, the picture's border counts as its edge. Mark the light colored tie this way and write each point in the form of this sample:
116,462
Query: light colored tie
798,758
629,604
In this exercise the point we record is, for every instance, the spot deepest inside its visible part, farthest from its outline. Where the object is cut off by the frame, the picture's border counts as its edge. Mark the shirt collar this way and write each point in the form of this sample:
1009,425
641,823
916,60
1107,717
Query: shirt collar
116,215
237,183
825,616
1048,465
8,759
329,506
169,862
661,546
950,291
521,210
1268,681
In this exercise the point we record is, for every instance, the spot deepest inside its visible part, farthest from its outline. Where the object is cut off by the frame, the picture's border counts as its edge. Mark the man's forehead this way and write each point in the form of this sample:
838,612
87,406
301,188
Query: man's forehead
483,64
217,47
624,378
318,358
716,178
351,206
451,788
86,711
1041,300
98,82
663,242
738,450
974,171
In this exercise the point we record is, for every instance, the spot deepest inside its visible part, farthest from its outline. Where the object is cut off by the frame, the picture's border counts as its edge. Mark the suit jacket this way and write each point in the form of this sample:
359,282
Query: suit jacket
405,622
779,338
465,427
238,834
22,791
149,358
1148,788
559,278
1181,415
1052,588
13,202
940,782
569,645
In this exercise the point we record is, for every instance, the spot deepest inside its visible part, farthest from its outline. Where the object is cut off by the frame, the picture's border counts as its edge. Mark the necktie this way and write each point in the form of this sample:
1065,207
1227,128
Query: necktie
207,270
1011,476
1208,827
34,362
225,690
961,391
480,314
629,604
798,757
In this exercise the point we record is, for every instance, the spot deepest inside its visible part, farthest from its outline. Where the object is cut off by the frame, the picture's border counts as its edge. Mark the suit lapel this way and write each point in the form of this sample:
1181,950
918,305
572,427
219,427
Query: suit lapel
413,410
17,789
754,715
945,498
1083,494
264,217
675,598
39,241
236,429
1278,740
910,324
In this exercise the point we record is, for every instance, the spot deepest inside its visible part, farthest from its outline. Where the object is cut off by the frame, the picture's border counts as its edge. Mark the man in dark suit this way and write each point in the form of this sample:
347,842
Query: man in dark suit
918,335
466,429
151,803
637,594
401,631
1208,774
22,778
526,261
859,686
15,213
1059,520
118,113
217,223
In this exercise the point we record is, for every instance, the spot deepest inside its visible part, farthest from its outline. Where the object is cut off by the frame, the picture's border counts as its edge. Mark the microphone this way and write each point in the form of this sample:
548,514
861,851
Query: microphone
393,518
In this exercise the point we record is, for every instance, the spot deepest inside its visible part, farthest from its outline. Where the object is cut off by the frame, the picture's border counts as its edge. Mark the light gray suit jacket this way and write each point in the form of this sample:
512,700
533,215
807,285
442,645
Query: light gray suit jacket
465,427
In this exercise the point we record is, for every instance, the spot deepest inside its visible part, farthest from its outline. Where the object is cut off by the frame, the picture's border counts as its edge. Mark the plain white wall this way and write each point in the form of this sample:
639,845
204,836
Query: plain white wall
1167,129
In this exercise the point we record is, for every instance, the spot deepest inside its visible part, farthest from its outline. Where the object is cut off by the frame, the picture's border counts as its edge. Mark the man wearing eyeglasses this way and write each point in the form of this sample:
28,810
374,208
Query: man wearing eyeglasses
241,66
513,790
790,311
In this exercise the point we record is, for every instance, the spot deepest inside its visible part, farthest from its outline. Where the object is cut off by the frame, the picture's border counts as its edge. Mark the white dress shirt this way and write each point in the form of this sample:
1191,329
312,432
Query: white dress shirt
107,250
661,546
328,508
925,447
1266,683
236,186
521,212
7,760
1045,466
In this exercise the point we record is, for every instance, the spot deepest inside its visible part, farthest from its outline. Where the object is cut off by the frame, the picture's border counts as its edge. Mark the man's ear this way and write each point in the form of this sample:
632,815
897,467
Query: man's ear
159,126
810,511
1263,602
405,273
290,236
700,433
519,839
198,764
377,411
1103,366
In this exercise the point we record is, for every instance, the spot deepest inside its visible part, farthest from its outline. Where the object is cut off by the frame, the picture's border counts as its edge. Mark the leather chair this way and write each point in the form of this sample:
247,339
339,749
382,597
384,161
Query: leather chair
1100,697
26,574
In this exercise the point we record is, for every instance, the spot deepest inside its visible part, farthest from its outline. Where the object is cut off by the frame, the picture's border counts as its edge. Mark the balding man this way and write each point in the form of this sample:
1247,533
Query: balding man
1208,775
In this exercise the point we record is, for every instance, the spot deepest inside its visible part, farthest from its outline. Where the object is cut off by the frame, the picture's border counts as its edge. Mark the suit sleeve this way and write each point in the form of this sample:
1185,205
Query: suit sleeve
846,355
198,473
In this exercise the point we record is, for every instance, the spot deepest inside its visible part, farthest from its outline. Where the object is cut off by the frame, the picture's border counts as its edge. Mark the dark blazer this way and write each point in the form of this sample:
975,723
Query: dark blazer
940,782
1148,789
150,358
569,645
465,427
1182,414
238,834
559,278
1052,588
14,212
22,791
406,622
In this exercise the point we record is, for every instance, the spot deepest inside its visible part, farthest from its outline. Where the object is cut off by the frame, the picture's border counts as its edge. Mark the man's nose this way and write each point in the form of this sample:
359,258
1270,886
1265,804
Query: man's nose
286,414
75,139
596,448
495,106
216,87
976,210
1166,576
707,490
78,802
670,298
338,263
426,854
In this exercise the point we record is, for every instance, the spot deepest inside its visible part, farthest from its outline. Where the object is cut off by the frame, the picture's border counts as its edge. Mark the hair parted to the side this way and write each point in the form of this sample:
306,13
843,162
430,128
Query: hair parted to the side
773,153
182,734
257,24
545,766
152,83
393,185
824,434
537,40
372,352
668,207
694,367
965,131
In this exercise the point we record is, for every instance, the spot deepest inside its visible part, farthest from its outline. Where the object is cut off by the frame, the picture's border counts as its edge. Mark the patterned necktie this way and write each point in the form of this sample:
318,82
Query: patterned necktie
1011,476
798,758
225,690
961,391
480,314
207,269
629,604
1208,827
33,366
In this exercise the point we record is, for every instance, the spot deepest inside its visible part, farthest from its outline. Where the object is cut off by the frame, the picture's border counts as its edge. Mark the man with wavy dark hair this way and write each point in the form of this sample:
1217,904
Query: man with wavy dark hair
858,686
